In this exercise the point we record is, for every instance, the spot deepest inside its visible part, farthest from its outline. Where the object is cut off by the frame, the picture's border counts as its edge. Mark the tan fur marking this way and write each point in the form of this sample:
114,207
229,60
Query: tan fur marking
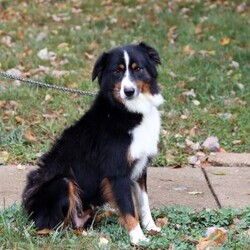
105,214
144,87
116,92
134,66
107,192
121,66
130,222
75,203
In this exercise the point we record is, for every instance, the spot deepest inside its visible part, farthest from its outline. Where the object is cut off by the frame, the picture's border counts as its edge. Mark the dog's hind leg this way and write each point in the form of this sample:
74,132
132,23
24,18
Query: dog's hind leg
53,203
117,191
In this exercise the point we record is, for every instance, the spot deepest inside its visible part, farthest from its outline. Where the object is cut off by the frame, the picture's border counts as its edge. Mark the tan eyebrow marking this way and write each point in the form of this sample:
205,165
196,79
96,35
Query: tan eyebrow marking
134,66
121,66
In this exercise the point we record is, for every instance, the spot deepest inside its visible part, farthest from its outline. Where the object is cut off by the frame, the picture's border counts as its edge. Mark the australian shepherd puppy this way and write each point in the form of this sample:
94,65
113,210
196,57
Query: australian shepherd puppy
103,157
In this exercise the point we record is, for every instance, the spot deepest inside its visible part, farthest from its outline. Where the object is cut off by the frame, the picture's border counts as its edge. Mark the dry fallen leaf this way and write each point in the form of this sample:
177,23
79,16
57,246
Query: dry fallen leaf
48,98
29,136
187,50
4,156
222,150
2,104
103,243
161,222
21,167
216,236
45,231
18,119
46,55
225,41
218,172
195,192
81,232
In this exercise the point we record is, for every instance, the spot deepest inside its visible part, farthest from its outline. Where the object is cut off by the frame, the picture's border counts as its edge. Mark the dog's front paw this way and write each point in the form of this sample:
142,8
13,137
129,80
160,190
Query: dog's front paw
137,237
150,226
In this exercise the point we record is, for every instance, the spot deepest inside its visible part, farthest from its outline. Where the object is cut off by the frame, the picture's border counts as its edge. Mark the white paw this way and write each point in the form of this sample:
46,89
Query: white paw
139,240
154,228
136,236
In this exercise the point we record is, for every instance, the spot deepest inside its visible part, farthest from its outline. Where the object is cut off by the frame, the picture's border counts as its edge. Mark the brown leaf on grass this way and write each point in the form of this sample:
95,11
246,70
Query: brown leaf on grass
161,222
45,231
187,50
81,232
152,232
89,56
2,104
225,41
222,150
29,136
93,46
19,120
54,114
215,237
172,35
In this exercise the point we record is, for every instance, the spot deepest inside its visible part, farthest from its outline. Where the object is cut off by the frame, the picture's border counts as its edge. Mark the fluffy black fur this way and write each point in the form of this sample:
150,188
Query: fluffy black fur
92,150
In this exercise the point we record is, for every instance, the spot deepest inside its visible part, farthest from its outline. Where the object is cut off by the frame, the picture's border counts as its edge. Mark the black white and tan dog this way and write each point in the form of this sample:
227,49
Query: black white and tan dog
103,157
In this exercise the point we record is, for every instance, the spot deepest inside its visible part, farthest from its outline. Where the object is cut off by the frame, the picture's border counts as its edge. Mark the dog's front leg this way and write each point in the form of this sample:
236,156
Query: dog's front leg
140,191
117,191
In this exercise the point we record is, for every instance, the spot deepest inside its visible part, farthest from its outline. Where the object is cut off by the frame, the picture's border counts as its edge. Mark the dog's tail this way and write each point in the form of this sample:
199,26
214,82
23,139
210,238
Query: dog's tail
50,202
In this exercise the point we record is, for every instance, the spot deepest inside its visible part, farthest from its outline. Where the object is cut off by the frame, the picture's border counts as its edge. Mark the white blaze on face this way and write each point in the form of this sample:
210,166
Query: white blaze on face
126,81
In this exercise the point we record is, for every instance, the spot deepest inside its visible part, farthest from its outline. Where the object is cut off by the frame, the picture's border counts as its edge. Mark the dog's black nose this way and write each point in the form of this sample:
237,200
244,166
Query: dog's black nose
129,92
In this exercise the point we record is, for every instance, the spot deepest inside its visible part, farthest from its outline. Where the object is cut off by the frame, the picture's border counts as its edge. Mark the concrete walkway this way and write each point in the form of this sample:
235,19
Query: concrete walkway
227,185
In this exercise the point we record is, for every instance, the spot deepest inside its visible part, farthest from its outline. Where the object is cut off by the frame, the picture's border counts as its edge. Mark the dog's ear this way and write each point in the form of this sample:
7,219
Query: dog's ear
152,53
99,66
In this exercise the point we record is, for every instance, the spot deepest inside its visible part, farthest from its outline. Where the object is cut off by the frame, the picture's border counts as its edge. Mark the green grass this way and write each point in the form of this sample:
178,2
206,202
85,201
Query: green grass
184,229
78,39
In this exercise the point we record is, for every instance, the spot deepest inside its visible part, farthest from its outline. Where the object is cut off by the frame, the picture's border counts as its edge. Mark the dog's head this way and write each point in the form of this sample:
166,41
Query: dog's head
128,75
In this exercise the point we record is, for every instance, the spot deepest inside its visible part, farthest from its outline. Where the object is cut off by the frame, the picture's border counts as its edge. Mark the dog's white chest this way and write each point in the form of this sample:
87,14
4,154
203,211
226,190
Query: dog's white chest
145,139
146,136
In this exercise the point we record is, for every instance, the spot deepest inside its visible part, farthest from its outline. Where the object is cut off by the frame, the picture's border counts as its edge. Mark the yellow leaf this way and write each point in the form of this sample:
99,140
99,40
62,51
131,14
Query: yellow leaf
4,155
45,231
215,237
225,41
218,172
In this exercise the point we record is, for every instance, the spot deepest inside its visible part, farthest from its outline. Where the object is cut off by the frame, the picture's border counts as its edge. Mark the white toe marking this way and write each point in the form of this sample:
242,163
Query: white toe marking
136,235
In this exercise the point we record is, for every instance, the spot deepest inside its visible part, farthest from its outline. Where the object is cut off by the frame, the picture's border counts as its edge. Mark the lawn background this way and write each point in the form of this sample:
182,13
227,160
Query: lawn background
204,46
